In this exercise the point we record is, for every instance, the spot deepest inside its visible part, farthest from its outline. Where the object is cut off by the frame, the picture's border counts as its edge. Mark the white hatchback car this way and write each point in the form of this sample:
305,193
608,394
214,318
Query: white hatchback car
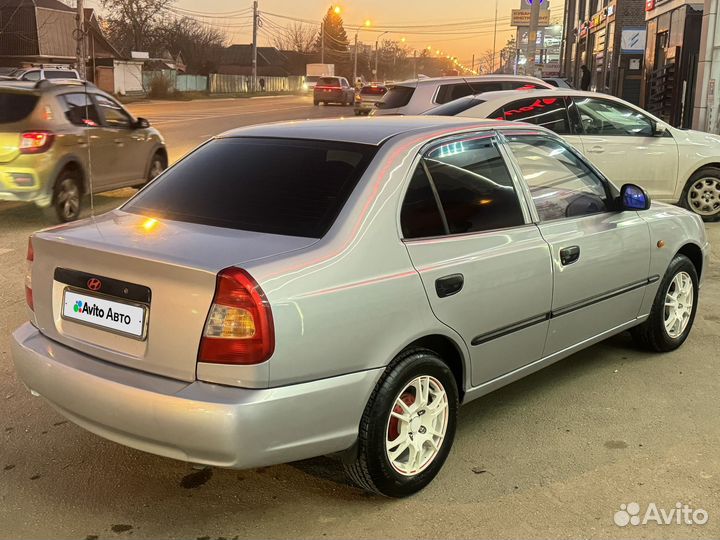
625,142
419,95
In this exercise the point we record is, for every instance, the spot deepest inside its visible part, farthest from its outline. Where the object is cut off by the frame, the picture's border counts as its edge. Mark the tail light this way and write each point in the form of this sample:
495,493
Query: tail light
36,142
239,328
29,258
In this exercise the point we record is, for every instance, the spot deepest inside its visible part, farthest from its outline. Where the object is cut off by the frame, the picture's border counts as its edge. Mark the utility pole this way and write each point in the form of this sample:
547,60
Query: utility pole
355,62
532,38
322,42
377,55
495,36
254,47
472,64
80,40
415,64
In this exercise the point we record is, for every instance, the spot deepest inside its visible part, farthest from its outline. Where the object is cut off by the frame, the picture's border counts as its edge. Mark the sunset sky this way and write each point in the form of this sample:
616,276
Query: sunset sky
463,43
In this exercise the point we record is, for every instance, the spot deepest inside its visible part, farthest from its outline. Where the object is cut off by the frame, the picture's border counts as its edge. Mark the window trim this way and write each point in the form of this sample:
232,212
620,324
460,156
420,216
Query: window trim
611,190
518,185
611,102
101,112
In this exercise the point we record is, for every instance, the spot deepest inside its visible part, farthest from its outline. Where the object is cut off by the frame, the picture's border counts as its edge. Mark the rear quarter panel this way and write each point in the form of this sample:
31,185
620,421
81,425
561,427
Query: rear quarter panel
693,154
354,300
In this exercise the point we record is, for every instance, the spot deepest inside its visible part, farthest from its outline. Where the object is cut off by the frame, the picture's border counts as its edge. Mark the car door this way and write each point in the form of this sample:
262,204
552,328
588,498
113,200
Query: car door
128,150
600,256
552,112
622,142
484,265
92,144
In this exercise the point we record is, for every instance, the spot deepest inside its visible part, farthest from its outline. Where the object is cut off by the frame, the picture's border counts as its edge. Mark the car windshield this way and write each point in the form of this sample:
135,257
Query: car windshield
16,106
328,81
455,107
279,186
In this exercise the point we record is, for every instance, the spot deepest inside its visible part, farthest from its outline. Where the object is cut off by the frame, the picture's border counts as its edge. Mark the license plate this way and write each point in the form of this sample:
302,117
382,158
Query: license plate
100,312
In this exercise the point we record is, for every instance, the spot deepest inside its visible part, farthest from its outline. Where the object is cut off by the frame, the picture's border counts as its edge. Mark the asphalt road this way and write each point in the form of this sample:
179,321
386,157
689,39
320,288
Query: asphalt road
551,456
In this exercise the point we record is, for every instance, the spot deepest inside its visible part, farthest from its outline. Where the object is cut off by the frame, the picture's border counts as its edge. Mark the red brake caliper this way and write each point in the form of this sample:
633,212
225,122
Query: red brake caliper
394,424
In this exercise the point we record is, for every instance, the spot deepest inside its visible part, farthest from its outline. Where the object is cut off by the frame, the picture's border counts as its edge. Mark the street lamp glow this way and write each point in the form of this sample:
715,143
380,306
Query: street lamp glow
337,10
367,22
402,39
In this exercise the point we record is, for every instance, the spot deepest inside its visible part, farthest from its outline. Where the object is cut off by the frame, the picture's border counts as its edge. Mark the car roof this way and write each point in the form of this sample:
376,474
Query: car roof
457,79
503,95
47,85
373,130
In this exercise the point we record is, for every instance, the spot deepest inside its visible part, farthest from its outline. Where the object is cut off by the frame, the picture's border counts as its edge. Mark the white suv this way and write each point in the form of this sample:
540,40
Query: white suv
44,72
419,95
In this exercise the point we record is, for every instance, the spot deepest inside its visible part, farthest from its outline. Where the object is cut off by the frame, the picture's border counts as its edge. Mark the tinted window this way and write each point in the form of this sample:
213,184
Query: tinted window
31,76
420,216
521,85
455,107
114,114
548,112
449,92
16,107
560,183
551,82
280,186
487,86
397,96
80,110
373,90
328,81
600,117
57,74
474,186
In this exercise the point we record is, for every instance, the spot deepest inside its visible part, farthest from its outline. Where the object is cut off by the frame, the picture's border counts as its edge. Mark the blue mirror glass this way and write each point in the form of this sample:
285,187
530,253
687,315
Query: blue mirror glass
634,198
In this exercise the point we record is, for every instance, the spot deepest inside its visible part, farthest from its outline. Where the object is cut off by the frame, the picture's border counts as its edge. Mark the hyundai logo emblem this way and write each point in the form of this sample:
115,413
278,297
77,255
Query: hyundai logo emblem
94,284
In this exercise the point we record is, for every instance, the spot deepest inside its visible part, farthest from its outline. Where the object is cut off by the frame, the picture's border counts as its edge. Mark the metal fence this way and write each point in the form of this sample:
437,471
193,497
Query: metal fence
219,83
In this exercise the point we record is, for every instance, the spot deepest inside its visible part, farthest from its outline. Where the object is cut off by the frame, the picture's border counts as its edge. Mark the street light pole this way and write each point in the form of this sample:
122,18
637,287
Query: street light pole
322,42
254,47
495,37
532,38
355,62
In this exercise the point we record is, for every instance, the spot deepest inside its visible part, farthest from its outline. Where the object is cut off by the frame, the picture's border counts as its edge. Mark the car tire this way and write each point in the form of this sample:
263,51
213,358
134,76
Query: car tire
702,194
316,102
673,310
420,445
157,165
66,202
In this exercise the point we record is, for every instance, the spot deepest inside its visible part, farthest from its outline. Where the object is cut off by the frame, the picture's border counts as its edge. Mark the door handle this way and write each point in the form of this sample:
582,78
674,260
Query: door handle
569,255
597,150
449,285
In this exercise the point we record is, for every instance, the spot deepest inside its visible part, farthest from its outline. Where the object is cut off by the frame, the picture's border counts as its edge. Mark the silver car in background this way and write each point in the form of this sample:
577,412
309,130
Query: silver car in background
347,292
418,95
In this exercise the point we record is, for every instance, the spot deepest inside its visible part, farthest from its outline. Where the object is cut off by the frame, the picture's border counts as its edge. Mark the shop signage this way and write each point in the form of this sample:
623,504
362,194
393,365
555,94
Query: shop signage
649,5
611,10
521,17
632,40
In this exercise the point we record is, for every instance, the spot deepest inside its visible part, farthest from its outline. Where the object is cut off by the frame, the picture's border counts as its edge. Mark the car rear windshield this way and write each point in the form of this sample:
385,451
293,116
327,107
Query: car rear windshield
279,186
455,107
328,81
373,90
397,96
15,106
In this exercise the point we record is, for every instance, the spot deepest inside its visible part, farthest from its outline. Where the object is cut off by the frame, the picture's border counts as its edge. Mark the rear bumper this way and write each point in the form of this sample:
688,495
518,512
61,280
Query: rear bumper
196,422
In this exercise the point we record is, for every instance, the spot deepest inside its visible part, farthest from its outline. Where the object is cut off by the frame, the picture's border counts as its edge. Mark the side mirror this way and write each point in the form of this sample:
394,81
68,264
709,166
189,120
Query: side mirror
659,129
141,123
634,197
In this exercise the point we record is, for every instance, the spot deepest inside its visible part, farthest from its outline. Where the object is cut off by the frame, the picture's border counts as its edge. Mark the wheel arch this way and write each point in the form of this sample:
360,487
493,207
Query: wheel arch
694,253
73,164
686,184
449,352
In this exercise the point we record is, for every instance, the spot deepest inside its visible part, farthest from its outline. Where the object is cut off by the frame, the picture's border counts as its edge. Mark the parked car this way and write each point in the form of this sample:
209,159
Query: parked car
625,142
367,97
419,95
45,72
559,82
61,140
416,264
333,90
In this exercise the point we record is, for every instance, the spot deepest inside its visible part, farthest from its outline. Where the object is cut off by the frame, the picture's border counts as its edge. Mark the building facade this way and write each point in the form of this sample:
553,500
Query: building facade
706,115
671,59
607,36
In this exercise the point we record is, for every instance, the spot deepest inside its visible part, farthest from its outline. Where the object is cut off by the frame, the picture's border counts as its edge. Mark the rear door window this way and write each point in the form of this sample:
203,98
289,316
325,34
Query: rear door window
548,112
396,96
420,216
474,186
521,85
279,186
59,74
80,109
486,86
16,107
113,113
449,92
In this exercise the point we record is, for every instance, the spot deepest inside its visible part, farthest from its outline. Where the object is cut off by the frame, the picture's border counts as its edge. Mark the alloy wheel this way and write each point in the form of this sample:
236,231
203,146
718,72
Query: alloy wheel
417,425
156,168
704,196
68,199
679,300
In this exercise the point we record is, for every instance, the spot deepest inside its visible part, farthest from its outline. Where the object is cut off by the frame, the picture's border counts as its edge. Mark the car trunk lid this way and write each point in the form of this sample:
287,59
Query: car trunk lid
164,269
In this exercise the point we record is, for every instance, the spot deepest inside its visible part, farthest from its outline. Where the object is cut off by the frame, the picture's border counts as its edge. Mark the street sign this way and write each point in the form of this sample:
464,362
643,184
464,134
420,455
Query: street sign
521,17
632,40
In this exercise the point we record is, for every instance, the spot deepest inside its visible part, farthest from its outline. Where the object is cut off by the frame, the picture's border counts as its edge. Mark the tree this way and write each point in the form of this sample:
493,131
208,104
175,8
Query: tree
200,45
507,56
334,37
487,63
297,37
131,22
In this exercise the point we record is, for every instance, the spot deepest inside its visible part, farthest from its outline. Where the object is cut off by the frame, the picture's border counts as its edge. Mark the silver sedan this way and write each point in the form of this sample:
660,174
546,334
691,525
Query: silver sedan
299,289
